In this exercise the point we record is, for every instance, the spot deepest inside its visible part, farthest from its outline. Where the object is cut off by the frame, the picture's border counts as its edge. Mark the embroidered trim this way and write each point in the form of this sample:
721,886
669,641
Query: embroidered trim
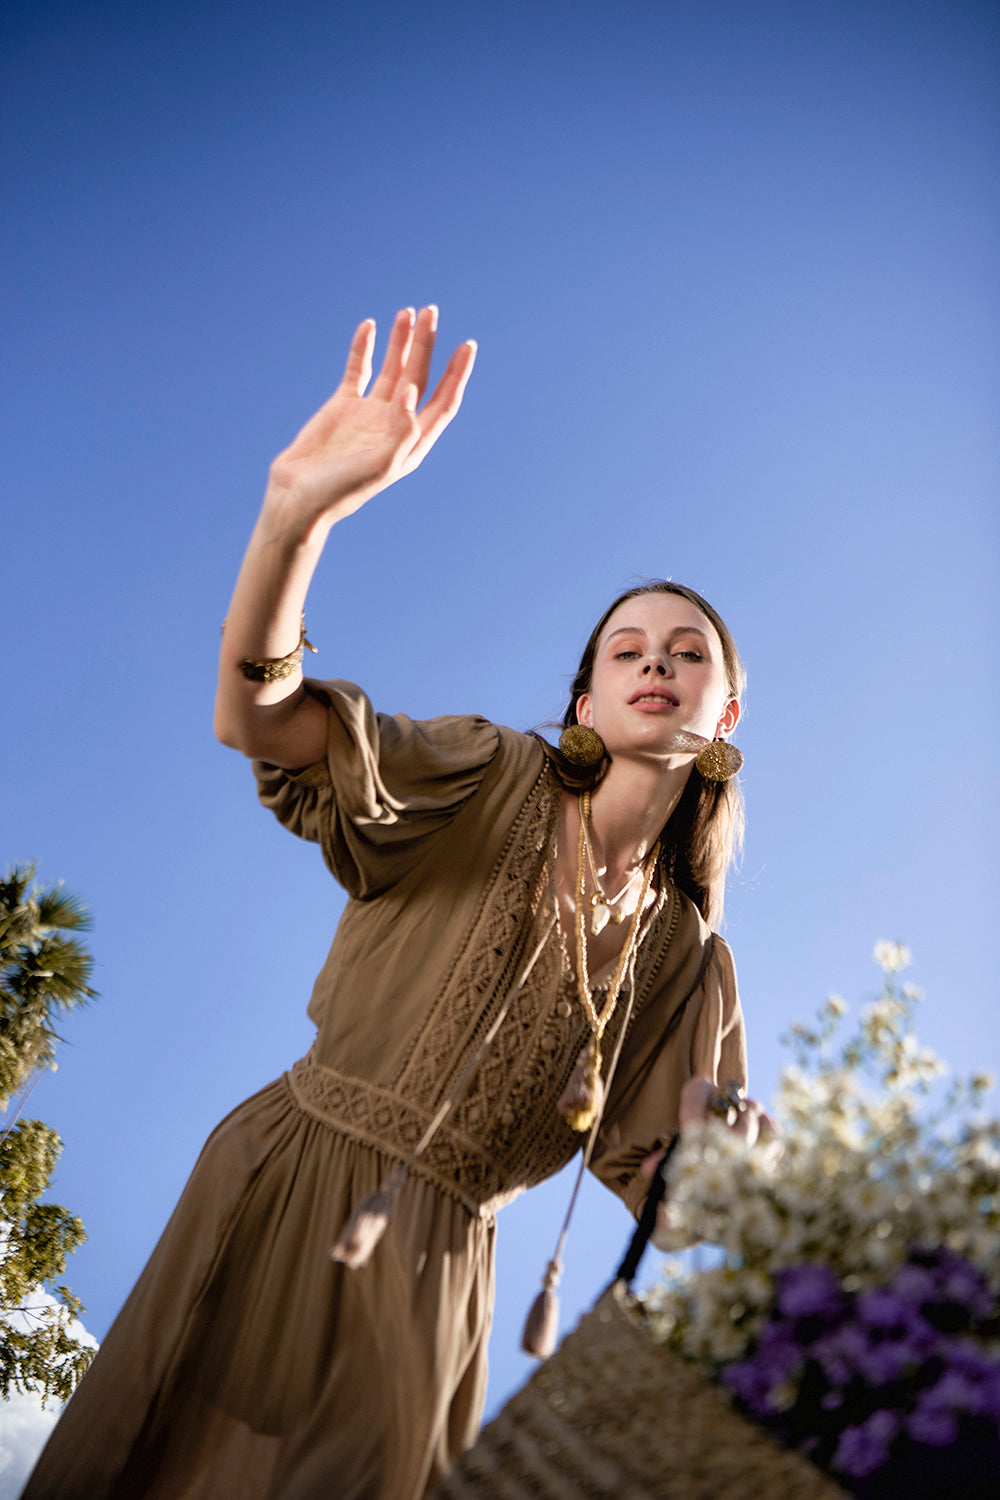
496,944
376,1117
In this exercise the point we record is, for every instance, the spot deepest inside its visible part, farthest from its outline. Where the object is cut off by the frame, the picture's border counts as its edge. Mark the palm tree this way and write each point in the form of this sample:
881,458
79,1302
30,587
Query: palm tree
44,969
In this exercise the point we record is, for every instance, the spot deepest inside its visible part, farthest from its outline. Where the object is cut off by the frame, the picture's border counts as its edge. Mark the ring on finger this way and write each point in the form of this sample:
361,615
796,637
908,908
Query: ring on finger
728,1103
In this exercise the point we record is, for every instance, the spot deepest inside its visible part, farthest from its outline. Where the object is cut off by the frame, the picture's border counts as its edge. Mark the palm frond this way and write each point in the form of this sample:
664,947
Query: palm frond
60,908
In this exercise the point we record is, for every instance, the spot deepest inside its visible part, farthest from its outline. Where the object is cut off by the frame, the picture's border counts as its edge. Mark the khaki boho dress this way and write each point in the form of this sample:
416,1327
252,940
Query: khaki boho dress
246,1364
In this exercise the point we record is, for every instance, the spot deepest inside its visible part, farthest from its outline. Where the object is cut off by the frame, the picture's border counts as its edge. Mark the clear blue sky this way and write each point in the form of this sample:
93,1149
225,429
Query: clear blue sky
733,272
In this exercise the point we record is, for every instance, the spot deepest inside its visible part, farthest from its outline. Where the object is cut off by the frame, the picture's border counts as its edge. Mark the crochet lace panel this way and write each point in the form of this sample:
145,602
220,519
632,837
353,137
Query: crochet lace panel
504,1132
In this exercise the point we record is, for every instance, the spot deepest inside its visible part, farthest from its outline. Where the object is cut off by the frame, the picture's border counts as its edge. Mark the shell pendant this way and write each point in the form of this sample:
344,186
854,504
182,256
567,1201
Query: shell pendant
601,914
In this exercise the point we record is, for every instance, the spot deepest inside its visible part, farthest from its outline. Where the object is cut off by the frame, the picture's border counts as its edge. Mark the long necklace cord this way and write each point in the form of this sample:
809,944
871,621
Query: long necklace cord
582,1099
542,1323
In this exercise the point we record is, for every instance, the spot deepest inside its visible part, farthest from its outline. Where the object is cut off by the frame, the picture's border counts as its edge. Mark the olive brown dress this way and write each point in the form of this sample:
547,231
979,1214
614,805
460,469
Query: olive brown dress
248,1365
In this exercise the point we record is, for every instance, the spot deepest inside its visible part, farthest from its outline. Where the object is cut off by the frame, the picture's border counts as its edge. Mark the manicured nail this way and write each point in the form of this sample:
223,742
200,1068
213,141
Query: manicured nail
472,344
432,308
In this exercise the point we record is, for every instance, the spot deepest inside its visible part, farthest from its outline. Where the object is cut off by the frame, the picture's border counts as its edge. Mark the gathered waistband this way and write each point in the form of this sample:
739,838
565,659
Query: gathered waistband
373,1116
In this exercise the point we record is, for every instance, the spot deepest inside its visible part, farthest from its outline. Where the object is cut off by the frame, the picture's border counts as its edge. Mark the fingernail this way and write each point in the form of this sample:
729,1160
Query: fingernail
432,308
473,344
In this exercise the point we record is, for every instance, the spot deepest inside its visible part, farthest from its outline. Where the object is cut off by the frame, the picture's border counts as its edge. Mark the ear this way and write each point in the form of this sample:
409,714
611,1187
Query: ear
729,720
585,710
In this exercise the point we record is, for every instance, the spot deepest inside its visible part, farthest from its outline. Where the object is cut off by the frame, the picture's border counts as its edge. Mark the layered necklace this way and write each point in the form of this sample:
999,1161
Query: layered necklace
603,909
583,1097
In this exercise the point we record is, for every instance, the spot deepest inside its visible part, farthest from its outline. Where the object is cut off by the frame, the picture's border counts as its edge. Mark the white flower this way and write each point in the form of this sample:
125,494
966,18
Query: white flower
891,956
866,1174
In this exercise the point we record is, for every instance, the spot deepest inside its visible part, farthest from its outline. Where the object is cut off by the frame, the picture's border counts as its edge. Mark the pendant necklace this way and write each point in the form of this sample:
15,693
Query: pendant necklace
583,1097
603,909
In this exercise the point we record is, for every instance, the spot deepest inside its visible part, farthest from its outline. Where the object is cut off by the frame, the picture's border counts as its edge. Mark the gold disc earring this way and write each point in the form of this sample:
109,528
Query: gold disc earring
581,746
718,760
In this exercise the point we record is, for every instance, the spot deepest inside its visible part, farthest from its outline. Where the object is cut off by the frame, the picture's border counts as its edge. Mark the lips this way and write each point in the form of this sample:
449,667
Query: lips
647,695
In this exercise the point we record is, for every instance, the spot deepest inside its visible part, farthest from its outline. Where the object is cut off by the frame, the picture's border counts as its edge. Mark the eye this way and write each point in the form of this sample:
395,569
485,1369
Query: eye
627,655
690,654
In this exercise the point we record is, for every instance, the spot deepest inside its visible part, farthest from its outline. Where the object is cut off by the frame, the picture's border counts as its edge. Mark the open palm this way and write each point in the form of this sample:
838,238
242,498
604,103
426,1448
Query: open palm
360,441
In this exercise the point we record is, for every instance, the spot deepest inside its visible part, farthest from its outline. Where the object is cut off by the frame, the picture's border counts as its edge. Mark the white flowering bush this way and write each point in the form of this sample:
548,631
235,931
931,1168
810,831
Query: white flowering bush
854,1306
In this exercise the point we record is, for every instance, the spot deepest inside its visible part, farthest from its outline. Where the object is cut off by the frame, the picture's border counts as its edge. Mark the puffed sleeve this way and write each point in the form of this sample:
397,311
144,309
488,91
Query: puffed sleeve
387,786
708,1038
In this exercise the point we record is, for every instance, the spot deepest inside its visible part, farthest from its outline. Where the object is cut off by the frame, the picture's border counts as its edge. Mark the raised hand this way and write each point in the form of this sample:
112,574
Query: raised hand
361,441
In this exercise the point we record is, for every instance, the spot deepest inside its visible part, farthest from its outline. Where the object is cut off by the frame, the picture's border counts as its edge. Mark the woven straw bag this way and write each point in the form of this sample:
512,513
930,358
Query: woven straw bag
614,1416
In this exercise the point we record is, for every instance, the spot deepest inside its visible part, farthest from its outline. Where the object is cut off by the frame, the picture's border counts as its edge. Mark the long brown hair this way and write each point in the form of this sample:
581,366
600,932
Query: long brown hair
705,831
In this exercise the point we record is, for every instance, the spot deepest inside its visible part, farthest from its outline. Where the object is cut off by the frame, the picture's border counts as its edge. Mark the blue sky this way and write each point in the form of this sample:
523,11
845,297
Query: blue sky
732,269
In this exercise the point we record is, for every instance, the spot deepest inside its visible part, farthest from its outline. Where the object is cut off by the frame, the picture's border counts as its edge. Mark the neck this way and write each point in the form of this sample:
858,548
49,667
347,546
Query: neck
630,808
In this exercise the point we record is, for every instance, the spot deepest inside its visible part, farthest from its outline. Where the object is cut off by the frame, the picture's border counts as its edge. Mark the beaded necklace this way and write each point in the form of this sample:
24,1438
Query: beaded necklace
583,1097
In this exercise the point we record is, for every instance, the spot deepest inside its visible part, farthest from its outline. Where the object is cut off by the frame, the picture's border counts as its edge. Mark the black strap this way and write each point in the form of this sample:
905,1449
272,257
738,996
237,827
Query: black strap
647,1219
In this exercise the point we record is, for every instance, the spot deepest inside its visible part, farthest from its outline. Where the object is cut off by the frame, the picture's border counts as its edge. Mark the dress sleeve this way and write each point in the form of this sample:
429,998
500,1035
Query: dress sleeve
388,784
710,1039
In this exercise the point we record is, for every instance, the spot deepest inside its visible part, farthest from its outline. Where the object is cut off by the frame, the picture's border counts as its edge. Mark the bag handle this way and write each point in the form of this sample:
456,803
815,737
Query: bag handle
647,1219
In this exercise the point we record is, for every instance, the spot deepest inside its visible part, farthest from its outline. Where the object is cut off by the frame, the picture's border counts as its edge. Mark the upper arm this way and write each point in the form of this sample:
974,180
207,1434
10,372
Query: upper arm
289,734
377,786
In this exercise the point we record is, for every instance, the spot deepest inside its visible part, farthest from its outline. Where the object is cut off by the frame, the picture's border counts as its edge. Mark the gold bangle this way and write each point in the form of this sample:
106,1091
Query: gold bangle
275,668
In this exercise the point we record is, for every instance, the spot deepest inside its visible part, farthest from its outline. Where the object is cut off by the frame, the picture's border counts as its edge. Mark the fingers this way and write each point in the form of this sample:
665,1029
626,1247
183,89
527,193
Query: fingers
407,364
396,354
701,1100
418,365
358,370
450,389
748,1124
650,1164
408,354
445,402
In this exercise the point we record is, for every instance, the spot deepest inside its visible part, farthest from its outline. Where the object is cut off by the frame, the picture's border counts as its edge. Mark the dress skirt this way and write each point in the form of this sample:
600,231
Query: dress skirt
247,1365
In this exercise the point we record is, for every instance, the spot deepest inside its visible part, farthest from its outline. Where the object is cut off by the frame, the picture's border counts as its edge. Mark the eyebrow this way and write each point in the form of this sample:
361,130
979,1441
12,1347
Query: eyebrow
640,630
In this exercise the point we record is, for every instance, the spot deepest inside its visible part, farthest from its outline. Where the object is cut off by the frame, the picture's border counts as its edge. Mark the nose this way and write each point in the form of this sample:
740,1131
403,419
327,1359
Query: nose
654,664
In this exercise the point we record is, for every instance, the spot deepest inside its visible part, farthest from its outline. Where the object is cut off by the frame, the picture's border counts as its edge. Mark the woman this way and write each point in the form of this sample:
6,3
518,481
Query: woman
520,929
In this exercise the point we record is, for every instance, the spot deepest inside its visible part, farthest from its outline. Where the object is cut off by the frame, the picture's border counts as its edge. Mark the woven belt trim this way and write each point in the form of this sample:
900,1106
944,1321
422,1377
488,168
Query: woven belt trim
377,1117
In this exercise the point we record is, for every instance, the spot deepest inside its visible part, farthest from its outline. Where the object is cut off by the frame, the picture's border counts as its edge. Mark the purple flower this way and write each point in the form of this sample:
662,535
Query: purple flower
964,1285
914,1284
753,1380
886,1310
932,1424
954,1389
969,1382
809,1291
863,1449
958,1281
747,1381
978,1368
778,1355
885,1360
841,1352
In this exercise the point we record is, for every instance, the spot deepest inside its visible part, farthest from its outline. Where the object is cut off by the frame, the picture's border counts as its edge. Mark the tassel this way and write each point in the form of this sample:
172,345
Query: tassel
367,1224
583,1097
542,1322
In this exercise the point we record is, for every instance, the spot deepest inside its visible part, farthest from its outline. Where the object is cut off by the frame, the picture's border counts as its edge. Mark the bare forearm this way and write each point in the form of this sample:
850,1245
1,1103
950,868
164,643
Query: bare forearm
273,720
354,447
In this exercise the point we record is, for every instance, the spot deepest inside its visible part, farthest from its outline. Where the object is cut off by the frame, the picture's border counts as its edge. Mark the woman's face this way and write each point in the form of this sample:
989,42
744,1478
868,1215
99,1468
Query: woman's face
658,670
